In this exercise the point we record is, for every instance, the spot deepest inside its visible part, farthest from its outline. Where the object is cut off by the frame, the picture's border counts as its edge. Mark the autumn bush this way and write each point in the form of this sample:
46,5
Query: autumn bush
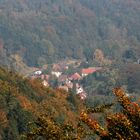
123,125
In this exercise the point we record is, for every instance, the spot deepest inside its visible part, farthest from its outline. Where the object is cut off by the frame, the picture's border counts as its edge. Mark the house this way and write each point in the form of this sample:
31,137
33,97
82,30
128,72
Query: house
90,70
75,76
79,90
82,95
45,83
56,70
39,72
56,73
69,84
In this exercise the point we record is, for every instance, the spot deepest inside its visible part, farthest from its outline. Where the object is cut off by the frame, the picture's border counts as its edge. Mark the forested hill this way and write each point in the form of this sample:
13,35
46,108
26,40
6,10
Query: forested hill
23,100
42,31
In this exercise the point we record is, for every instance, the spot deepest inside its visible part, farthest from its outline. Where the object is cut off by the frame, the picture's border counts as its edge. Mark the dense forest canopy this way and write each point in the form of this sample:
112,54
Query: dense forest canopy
48,30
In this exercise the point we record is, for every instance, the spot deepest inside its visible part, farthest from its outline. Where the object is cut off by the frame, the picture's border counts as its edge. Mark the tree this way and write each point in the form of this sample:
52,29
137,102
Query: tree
124,125
48,129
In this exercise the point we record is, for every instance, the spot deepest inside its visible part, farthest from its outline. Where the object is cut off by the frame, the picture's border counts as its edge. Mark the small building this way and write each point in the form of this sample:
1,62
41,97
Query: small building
88,71
69,84
56,73
79,90
75,76
82,95
39,72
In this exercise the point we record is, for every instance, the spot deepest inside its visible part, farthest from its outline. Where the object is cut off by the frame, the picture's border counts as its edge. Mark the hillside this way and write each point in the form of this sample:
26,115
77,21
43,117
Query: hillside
22,101
45,31
66,37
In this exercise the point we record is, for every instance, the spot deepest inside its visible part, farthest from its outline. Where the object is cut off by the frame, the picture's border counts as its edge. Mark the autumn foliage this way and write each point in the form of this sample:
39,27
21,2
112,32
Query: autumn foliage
123,125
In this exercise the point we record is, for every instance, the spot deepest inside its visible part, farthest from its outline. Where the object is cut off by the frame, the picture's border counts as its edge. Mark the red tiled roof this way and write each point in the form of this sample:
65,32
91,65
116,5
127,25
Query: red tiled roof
75,76
89,70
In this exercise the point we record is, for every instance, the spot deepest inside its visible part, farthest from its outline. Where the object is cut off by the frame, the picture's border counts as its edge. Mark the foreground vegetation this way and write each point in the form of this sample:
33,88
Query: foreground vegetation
23,100
43,31
30,111
121,125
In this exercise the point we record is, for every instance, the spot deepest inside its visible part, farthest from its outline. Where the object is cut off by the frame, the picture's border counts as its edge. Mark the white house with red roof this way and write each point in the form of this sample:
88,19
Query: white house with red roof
90,70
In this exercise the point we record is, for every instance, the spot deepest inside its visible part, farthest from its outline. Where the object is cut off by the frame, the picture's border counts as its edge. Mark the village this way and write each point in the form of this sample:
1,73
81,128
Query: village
65,76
